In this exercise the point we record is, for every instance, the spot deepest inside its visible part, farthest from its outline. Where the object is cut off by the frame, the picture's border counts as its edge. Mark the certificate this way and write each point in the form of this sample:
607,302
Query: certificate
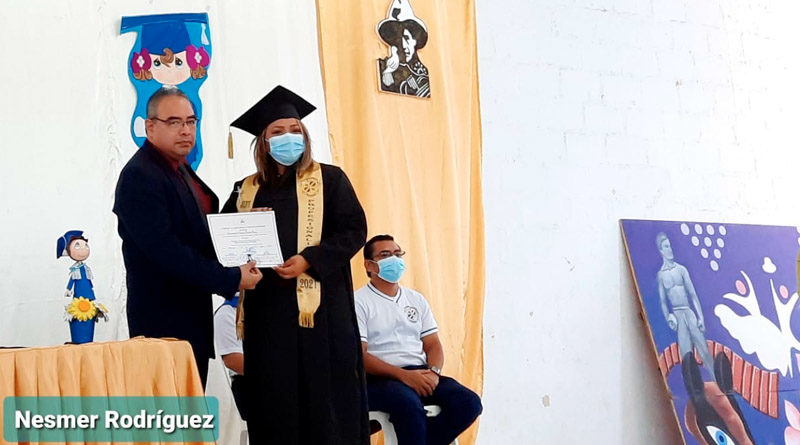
240,237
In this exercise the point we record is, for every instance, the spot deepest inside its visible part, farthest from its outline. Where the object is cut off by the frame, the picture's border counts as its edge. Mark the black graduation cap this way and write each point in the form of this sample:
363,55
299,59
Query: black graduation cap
280,103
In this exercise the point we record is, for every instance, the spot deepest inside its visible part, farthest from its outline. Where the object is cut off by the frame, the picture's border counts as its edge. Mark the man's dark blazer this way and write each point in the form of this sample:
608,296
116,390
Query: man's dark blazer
172,269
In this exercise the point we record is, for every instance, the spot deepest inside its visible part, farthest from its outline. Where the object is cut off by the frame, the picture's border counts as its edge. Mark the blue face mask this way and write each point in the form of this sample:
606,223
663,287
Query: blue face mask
391,269
287,148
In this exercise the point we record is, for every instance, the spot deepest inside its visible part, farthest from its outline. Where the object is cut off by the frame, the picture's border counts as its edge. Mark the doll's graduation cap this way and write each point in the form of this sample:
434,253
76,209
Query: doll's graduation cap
280,103
170,34
63,242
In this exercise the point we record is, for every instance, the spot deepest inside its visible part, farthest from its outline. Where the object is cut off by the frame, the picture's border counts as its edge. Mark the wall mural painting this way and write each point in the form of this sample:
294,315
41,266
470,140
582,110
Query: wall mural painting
720,302
173,51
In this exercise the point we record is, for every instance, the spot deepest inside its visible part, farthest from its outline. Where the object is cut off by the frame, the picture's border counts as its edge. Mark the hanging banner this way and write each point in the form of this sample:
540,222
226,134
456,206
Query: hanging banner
401,88
173,51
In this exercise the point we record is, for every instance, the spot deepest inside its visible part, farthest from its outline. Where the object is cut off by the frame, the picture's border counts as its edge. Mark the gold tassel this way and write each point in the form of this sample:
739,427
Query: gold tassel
240,316
240,330
230,144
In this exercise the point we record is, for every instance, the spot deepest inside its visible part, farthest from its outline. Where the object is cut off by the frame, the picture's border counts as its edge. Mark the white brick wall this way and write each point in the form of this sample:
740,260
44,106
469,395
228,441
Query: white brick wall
595,110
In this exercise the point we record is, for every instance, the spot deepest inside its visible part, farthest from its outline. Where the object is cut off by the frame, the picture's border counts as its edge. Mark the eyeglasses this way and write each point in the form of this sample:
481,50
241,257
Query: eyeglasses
175,123
383,254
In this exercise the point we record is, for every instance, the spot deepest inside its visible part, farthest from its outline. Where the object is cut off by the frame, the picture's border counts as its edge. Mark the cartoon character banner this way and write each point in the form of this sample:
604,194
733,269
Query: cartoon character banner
171,50
721,304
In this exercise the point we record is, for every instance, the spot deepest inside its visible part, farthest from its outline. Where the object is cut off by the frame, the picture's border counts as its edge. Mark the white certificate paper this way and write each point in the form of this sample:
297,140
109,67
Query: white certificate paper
239,237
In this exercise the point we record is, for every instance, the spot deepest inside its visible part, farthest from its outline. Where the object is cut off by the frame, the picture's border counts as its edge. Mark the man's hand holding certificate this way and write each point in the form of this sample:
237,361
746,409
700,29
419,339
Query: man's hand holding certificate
242,237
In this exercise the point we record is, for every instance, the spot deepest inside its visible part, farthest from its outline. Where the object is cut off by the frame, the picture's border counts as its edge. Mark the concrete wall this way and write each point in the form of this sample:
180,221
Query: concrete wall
595,110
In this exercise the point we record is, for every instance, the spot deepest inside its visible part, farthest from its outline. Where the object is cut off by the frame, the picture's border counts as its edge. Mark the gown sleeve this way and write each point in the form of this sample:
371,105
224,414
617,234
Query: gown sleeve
347,229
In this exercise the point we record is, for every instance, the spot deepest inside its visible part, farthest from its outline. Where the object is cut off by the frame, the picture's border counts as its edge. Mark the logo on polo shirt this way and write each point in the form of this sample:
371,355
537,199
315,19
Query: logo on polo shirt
412,314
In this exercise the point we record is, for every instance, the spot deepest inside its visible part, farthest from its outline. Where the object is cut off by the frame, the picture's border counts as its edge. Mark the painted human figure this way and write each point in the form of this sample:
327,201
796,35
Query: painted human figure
76,246
682,316
402,71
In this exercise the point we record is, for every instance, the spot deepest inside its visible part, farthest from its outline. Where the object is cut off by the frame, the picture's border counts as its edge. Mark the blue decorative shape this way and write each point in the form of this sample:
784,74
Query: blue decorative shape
170,50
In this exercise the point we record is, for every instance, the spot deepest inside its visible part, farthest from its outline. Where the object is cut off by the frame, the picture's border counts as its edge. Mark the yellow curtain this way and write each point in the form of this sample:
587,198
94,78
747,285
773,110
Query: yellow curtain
415,162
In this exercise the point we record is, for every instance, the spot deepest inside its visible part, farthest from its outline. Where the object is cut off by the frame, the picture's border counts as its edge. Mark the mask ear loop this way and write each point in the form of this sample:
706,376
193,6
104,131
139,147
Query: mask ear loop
379,266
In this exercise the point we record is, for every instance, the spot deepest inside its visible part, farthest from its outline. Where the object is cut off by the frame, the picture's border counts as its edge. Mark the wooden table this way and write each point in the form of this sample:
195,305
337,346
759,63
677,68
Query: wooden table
136,367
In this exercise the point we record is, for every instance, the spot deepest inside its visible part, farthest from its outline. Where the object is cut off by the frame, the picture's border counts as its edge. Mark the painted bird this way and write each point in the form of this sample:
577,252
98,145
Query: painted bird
392,63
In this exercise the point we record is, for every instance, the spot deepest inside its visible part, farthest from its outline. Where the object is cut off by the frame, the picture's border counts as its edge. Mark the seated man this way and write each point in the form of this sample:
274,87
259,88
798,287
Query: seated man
229,348
403,357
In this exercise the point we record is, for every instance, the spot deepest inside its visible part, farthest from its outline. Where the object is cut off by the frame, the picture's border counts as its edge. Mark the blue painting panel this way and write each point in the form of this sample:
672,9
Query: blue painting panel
721,304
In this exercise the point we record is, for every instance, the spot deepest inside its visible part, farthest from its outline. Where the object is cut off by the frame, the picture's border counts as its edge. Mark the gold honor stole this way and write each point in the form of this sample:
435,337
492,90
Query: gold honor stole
309,233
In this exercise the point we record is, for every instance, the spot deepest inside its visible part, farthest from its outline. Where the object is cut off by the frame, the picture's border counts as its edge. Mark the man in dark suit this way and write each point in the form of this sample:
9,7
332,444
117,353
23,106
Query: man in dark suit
161,205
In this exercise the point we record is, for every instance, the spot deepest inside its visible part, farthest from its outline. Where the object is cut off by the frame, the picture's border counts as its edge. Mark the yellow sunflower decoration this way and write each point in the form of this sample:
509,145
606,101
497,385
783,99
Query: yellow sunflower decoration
82,309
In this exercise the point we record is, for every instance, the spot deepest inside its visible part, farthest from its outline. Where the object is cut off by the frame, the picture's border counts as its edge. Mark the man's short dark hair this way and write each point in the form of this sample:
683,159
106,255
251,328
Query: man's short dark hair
155,99
368,253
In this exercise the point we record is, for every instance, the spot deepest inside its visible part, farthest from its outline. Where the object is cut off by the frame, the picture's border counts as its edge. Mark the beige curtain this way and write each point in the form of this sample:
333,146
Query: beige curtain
416,162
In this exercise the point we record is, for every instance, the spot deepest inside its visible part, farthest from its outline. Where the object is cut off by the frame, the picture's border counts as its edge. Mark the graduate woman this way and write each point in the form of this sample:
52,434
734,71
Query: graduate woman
302,351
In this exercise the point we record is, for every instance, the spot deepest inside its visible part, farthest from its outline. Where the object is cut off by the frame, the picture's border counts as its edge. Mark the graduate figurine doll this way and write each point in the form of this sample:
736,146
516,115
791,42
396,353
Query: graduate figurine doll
83,311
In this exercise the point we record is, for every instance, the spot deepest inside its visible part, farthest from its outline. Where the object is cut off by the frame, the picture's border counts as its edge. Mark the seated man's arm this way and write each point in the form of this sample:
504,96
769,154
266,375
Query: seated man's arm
433,350
434,355
235,362
420,380
229,346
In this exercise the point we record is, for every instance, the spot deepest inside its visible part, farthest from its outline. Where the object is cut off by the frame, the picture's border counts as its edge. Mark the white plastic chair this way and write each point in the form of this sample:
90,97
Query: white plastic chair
389,435
243,433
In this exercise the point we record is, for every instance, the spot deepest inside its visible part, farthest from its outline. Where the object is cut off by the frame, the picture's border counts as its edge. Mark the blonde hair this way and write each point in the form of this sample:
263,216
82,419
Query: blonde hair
268,167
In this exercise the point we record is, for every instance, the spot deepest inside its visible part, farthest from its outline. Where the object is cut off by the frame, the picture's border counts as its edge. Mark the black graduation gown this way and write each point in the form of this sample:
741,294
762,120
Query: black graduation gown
306,386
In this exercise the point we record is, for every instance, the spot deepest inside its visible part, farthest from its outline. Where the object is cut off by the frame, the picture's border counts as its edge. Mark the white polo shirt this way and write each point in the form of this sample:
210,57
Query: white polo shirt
225,333
393,326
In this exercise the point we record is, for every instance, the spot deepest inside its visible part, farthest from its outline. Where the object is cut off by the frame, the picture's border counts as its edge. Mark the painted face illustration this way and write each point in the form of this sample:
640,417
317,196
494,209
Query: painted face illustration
666,249
79,250
170,68
409,44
